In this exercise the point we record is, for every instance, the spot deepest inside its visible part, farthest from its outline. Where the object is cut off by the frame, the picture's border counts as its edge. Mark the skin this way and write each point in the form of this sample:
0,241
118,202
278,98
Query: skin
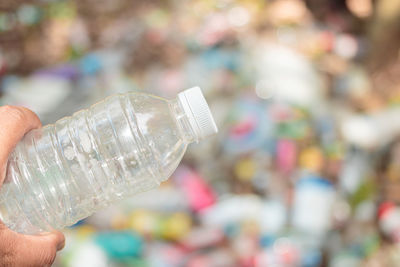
17,249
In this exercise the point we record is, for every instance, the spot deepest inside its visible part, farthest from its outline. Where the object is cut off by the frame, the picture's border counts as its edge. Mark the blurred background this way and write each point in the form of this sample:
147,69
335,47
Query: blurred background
305,170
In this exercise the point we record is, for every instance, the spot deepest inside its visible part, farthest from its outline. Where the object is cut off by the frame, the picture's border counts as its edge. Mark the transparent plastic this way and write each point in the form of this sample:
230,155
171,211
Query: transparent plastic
64,172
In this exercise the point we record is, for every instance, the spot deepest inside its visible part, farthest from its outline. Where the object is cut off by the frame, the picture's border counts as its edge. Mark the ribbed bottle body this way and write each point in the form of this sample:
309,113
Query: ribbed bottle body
63,172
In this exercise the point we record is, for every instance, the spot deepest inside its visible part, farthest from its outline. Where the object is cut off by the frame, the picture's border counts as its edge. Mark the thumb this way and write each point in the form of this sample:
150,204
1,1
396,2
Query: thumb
29,250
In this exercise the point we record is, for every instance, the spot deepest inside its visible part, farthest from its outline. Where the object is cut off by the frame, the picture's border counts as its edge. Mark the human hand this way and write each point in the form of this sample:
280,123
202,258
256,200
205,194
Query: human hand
18,249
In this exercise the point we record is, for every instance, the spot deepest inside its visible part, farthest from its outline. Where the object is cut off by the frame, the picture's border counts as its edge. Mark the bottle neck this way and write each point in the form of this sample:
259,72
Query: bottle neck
188,134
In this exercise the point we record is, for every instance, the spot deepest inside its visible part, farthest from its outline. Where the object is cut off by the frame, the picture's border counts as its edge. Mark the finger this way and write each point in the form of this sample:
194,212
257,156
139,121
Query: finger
39,250
55,238
15,123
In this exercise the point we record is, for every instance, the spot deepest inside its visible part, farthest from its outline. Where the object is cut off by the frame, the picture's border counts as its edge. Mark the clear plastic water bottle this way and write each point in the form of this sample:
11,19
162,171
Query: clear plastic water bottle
125,144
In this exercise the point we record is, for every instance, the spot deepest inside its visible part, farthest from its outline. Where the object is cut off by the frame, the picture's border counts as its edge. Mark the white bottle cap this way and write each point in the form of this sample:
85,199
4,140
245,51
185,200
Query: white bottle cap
196,108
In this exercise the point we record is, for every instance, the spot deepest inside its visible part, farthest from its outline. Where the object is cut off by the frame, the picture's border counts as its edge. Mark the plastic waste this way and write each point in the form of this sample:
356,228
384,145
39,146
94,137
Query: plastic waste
312,207
126,144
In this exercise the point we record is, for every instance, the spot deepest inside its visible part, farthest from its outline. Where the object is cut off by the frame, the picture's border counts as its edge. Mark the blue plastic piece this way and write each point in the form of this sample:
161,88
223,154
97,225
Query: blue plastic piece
90,64
120,245
315,181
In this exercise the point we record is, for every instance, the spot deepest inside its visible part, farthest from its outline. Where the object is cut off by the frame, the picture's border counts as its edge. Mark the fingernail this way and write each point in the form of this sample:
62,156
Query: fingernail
61,245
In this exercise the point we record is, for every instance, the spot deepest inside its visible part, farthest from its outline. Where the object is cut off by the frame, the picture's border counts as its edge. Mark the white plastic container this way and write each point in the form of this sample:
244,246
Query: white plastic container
312,205
125,144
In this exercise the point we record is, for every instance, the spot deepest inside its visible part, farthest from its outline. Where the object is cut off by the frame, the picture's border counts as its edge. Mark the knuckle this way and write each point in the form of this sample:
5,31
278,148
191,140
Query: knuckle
7,259
47,258
7,253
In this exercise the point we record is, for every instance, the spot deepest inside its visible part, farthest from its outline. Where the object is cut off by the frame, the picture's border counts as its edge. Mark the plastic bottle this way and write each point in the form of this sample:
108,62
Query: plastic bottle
125,144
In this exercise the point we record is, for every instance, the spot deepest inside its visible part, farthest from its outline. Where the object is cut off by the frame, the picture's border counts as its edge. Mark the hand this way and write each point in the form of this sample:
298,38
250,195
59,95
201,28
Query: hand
17,249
